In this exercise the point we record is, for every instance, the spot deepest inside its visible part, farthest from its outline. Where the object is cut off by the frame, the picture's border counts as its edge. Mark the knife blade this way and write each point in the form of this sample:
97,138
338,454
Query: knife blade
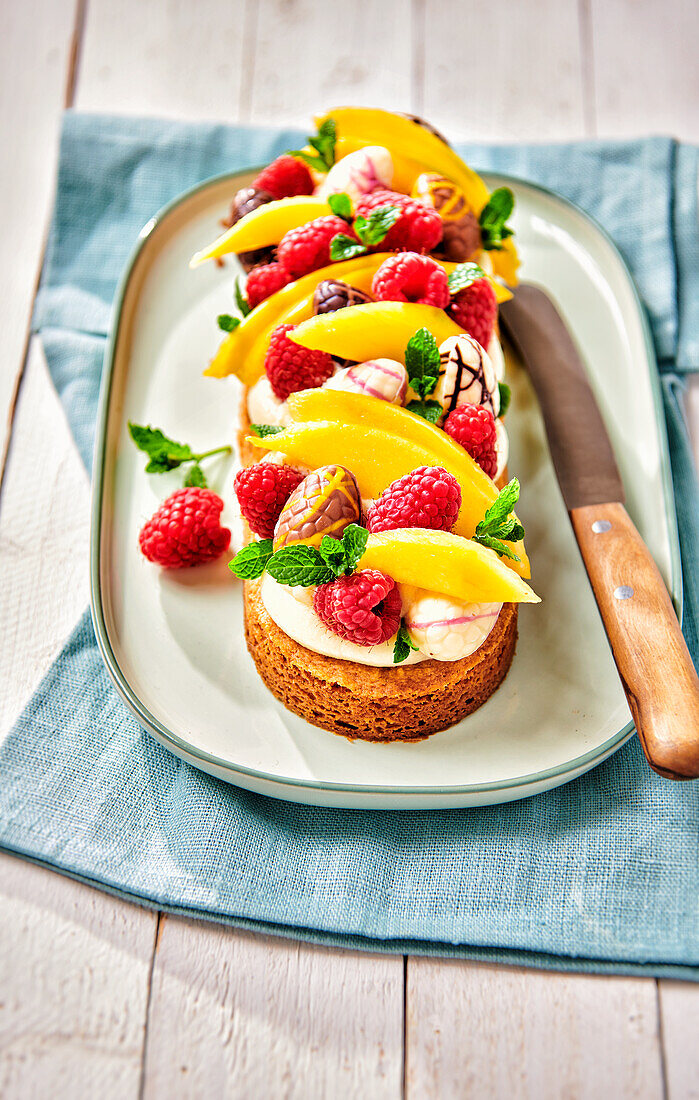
656,670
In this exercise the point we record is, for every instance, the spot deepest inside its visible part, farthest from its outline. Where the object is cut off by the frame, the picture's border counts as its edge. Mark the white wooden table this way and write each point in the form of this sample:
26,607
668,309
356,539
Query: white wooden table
99,997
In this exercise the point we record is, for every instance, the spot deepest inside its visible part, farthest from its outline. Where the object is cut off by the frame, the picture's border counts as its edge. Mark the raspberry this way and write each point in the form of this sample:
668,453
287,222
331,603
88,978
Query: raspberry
285,176
418,229
364,608
264,281
476,310
473,426
185,530
308,246
409,277
428,497
262,491
290,367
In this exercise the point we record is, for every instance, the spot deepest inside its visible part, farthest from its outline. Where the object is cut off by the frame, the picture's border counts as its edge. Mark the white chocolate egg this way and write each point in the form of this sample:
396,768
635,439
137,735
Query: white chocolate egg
502,447
466,376
386,379
443,628
497,358
358,174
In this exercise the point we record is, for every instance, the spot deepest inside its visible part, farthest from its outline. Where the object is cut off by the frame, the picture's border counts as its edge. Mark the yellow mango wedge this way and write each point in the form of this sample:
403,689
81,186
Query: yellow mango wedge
404,138
264,226
376,330
455,566
242,352
377,456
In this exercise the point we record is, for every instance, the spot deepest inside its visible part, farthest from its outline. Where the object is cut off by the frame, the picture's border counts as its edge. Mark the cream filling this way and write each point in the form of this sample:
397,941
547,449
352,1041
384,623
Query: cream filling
301,623
502,447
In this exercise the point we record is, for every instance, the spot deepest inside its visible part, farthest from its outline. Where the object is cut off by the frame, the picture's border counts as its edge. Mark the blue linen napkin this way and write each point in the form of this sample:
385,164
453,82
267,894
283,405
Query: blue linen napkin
599,875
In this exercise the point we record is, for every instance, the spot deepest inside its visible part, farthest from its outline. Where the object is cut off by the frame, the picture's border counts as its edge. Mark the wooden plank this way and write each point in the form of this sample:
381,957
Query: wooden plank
44,540
75,966
310,56
164,58
645,67
238,1015
474,1030
504,72
35,45
679,1014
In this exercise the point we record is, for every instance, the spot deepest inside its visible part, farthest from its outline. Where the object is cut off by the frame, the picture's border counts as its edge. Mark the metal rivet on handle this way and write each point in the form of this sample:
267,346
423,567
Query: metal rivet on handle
623,592
601,525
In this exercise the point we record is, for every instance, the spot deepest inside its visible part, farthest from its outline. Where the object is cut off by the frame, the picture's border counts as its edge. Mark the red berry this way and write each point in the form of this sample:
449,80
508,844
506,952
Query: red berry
307,247
285,176
410,277
476,310
291,368
185,530
418,229
262,491
364,608
264,281
473,426
428,497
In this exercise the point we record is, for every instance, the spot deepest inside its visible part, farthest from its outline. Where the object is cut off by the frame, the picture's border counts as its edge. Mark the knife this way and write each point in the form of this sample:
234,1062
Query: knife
651,655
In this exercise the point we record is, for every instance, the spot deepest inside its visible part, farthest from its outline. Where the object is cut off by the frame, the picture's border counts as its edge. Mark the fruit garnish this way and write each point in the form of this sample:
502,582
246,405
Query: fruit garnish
323,144
493,216
410,277
341,205
473,427
403,645
185,530
499,524
263,281
308,247
370,231
262,491
300,564
284,178
427,497
363,608
251,562
291,367
166,454
475,306
263,226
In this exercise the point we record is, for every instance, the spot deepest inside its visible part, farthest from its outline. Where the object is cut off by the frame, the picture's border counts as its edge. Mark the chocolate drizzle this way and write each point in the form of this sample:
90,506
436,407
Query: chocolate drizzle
475,373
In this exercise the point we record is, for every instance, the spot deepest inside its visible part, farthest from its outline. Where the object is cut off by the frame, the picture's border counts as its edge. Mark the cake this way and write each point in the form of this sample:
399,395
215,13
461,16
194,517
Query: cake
384,563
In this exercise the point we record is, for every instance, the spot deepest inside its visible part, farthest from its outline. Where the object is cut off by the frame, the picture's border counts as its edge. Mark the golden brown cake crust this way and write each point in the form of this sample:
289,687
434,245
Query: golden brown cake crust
376,704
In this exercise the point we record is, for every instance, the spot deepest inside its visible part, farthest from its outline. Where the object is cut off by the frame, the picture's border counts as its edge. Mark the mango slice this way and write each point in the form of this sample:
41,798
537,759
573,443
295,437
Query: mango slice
505,262
378,330
408,139
264,226
446,563
379,451
242,353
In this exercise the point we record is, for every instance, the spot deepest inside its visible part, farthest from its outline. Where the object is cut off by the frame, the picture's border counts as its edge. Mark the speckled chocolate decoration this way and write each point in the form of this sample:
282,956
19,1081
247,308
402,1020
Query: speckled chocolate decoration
325,503
461,235
331,295
427,126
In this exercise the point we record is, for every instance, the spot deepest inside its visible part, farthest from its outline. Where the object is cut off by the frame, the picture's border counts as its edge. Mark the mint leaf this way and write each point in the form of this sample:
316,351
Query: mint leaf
493,217
429,410
240,299
463,275
500,509
251,562
312,161
373,229
324,145
195,477
402,645
226,322
517,532
341,206
422,362
505,397
354,541
343,247
263,430
164,454
333,554
301,565
497,545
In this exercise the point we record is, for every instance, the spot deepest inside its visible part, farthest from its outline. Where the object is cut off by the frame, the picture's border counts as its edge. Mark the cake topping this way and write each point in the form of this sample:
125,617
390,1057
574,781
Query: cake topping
418,227
444,628
326,502
284,177
466,376
386,379
244,202
291,367
474,428
263,281
359,173
364,608
428,497
307,247
262,491
332,294
499,207
410,277
461,235
474,306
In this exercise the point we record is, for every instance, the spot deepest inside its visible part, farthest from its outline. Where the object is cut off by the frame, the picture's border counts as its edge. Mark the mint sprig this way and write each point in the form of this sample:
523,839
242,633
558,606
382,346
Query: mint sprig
505,397
300,565
166,454
226,322
370,231
428,410
324,145
263,430
240,299
493,217
422,364
251,562
402,645
341,205
463,275
499,526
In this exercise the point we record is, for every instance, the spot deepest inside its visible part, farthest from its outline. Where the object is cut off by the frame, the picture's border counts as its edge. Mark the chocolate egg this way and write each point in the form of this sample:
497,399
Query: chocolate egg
461,234
332,294
358,173
386,379
245,201
466,376
325,503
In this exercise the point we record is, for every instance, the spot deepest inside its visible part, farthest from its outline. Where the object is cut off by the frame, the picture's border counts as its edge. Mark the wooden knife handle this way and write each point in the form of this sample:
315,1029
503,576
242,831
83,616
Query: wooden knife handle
651,655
